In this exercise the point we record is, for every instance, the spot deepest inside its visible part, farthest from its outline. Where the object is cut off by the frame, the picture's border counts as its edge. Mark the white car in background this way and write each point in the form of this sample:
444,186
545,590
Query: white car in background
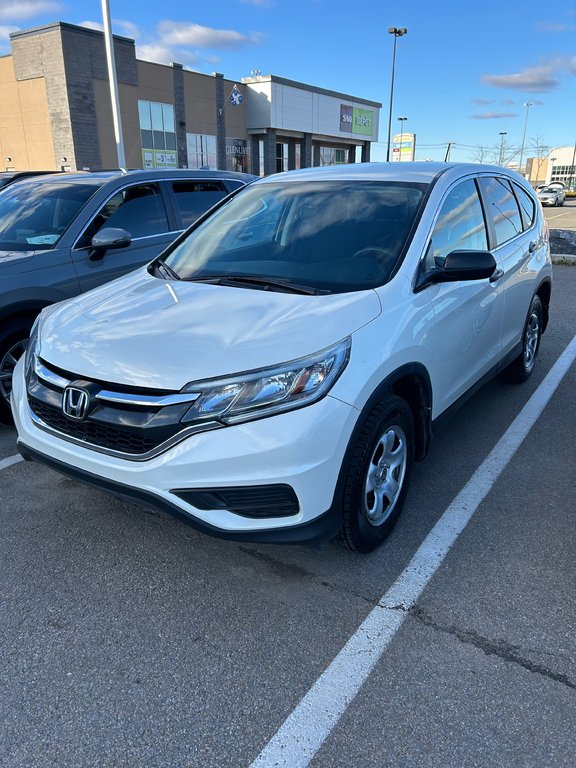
273,374
552,195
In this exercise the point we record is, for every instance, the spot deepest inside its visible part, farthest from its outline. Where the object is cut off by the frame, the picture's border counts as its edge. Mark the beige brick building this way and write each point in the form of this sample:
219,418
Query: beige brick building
55,112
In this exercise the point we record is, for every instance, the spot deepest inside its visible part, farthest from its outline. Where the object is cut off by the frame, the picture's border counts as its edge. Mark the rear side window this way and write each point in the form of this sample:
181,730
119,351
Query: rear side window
138,209
193,198
526,205
502,208
460,224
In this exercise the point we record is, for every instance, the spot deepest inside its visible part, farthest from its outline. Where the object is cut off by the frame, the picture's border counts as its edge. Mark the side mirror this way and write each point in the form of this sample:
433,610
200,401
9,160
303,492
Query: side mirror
108,238
464,265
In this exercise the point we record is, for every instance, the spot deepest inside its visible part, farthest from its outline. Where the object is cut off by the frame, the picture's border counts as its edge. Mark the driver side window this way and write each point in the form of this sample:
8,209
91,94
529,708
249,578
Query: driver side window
138,209
460,224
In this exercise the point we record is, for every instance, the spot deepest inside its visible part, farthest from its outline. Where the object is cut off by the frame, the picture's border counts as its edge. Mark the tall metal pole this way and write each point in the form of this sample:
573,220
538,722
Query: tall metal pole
401,120
113,84
501,158
528,104
397,33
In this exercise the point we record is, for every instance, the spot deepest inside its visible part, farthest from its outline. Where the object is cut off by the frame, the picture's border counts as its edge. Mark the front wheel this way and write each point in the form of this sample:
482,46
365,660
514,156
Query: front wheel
13,343
377,475
521,368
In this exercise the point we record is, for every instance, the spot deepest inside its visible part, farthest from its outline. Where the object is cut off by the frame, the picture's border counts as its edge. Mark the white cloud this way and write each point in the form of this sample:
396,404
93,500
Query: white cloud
186,34
162,54
542,78
92,25
493,115
16,10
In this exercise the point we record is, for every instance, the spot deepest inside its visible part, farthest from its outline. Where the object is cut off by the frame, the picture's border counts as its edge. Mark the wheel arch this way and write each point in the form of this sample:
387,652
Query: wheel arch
545,292
23,310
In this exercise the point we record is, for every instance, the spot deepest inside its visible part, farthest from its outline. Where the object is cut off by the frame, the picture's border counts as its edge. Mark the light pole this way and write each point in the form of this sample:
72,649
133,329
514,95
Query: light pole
528,104
397,32
502,134
401,120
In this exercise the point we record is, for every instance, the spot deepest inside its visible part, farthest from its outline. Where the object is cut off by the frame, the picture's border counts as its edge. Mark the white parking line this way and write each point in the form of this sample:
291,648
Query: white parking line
9,461
307,727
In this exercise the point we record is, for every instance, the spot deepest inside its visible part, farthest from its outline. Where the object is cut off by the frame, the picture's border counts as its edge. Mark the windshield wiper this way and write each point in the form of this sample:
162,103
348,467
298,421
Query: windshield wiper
263,283
166,270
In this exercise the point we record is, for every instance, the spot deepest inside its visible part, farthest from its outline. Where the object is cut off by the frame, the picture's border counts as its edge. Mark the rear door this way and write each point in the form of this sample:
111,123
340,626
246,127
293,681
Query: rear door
519,249
139,209
193,197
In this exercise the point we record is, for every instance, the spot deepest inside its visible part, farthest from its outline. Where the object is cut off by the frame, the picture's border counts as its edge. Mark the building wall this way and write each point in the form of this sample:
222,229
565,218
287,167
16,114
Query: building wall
38,54
25,130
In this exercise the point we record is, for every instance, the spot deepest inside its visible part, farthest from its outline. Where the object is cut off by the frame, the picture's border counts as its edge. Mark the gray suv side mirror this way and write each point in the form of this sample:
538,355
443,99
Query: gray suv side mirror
108,238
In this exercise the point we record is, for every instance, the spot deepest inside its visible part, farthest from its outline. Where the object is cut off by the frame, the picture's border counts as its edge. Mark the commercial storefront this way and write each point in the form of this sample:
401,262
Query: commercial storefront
55,112
559,164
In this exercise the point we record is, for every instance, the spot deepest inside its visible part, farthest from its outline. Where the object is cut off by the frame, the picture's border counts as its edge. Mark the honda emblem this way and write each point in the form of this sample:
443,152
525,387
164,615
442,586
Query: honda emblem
75,403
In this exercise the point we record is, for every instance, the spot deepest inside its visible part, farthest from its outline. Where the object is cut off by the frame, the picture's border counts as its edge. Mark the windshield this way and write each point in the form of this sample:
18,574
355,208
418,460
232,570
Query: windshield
34,215
549,190
332,236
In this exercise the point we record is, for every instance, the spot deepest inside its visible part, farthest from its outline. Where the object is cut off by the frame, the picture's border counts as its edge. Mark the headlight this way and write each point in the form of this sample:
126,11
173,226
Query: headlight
33,347
268,391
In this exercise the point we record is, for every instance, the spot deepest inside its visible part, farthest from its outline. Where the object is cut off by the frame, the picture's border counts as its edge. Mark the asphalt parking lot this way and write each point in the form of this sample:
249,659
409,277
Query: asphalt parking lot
131,641
563,217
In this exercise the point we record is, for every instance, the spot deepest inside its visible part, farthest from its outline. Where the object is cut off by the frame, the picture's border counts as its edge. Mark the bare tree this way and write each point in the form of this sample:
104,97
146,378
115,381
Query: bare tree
541,152
481,154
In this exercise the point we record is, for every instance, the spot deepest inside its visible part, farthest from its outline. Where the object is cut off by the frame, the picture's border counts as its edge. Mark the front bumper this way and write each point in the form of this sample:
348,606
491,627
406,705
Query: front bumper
303,449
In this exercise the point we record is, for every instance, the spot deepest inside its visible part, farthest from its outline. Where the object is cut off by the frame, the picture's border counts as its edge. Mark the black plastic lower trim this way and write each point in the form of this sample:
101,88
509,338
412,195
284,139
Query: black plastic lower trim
326,526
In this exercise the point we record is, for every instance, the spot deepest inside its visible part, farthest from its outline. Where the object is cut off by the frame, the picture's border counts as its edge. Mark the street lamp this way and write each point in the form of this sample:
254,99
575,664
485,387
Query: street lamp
502,134
401,120
397,32
528,104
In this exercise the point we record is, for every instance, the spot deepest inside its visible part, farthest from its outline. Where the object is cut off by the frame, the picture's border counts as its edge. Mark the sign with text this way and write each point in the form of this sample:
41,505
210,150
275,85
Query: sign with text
403,147
356,121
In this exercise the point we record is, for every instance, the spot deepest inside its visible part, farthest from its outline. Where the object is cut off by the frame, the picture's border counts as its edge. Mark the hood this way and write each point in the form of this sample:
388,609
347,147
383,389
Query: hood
146,332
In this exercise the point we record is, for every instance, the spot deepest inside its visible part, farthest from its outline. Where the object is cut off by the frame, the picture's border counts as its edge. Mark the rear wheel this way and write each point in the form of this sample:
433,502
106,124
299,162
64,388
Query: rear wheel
521,368
377,475
13,343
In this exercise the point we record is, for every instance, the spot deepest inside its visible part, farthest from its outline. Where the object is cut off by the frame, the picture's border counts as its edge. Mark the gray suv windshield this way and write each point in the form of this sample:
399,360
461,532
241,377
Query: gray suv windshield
330,236
35,216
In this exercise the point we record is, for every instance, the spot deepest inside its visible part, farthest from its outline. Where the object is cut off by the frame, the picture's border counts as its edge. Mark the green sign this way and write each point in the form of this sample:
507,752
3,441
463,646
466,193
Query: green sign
362,121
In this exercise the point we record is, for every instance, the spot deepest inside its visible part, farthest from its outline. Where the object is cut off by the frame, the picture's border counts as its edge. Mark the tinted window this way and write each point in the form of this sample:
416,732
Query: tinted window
139,210
35,215
334,236
195,197
460,224
503,209
526,205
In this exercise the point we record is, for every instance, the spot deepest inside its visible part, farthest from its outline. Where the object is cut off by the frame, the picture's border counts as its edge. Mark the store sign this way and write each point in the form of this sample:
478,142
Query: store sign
356,121
236,147
159,158
403,147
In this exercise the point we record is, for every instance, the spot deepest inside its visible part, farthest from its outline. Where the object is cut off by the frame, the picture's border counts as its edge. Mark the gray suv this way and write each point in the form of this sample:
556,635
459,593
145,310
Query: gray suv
63,234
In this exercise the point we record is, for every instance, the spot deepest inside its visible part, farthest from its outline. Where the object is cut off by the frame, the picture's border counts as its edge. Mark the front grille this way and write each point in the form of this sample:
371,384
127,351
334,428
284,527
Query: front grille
130,422
108,436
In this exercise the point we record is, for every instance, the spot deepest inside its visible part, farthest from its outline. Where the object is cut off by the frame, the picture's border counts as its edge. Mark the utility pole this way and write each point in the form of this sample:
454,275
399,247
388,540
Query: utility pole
501,157
116,117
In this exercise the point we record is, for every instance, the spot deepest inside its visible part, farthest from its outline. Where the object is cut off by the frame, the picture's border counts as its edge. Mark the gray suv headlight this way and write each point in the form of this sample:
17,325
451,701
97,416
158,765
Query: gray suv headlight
268,391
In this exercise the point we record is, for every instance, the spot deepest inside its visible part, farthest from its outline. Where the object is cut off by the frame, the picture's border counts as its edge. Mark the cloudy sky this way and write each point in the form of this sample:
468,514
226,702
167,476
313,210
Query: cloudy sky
464,71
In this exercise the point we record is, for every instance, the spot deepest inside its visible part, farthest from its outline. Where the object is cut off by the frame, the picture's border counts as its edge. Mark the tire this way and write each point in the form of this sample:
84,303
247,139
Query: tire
521,368
13,342
377,475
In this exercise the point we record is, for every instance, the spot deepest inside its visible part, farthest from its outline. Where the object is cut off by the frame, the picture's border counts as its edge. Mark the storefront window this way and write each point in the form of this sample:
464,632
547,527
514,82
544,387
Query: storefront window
157,134
201,151
237,155
333,156
281,157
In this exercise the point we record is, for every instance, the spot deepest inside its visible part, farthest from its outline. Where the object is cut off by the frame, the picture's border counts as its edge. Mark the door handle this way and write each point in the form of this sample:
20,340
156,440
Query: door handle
532,246
496,275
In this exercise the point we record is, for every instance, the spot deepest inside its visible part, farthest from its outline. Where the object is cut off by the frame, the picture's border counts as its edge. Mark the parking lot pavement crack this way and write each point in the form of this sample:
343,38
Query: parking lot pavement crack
502,649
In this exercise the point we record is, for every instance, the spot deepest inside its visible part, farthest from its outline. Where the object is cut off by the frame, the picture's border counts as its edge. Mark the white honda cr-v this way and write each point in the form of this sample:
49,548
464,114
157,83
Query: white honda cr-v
276,372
